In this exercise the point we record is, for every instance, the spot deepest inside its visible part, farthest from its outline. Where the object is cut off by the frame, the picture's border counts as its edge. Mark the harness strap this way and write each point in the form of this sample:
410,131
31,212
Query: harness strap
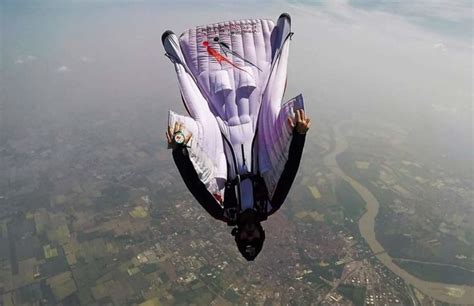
231,207
260,195
240,177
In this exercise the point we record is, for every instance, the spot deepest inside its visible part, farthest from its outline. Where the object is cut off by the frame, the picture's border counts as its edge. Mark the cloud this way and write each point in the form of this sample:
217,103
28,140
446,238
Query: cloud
444,108
400,20
86,59
63,69
373,59
26,59
448,10
440,46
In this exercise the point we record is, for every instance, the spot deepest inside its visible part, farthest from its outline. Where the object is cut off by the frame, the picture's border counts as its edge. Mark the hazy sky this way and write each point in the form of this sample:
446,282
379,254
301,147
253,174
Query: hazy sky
64,60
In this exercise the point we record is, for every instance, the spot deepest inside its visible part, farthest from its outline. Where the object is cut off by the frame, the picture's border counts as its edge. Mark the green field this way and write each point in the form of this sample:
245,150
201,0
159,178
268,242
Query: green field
139,212
353,205
49,251
355,294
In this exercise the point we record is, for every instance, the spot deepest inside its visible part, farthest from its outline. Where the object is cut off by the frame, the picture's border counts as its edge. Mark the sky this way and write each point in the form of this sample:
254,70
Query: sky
67,61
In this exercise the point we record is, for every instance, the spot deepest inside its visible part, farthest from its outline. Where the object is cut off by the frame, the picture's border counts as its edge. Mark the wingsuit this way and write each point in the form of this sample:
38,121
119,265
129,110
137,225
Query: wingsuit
243,153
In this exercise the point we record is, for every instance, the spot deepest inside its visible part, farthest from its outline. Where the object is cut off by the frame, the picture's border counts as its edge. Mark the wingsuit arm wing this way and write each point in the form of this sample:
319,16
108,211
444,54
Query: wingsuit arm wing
289,171
202,161
206,153
277,138
195,185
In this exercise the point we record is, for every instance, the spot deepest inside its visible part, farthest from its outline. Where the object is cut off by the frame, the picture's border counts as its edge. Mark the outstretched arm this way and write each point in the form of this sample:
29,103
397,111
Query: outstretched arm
190,176
300,126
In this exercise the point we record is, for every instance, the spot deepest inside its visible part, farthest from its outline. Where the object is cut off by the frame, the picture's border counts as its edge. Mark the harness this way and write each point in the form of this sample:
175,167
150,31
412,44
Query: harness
232,207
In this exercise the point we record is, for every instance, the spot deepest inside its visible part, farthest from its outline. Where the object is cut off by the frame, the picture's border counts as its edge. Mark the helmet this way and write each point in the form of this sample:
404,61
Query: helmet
249,234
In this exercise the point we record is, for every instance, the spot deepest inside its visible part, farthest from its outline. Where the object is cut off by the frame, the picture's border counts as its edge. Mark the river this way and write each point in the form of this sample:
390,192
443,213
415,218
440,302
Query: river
443,292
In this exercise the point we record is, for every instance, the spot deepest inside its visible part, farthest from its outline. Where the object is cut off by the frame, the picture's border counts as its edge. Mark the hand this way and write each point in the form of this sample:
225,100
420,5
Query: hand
170,133
301,122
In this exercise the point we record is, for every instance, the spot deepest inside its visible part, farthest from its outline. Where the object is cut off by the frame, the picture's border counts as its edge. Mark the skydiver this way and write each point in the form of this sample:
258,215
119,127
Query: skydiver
248,231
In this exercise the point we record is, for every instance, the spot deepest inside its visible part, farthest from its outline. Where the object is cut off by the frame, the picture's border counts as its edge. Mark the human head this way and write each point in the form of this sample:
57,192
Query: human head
249,234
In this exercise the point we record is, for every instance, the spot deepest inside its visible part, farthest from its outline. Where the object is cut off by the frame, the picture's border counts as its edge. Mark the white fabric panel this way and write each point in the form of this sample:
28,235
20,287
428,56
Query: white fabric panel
203,163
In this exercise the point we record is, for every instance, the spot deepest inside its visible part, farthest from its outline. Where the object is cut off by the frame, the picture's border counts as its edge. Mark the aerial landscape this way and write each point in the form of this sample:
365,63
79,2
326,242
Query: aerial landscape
93,210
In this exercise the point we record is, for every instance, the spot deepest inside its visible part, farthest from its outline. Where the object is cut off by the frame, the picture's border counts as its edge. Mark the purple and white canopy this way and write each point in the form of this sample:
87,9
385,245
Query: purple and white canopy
232,78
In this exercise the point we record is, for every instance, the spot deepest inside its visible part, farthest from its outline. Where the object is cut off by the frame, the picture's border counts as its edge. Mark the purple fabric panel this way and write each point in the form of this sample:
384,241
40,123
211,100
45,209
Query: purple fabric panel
270,109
